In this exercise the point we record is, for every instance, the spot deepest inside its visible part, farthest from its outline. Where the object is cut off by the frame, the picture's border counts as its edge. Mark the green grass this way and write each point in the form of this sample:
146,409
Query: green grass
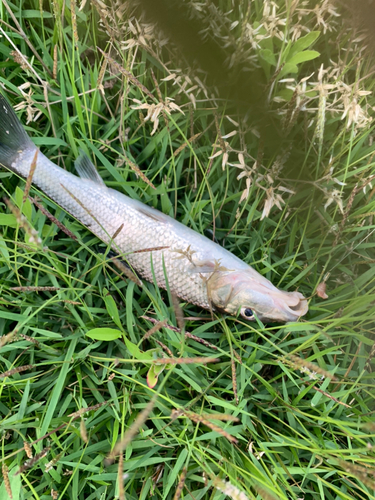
305,390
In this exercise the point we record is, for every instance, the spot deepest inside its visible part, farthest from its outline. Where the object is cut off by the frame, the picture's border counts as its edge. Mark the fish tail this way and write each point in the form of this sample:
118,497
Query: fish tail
13,137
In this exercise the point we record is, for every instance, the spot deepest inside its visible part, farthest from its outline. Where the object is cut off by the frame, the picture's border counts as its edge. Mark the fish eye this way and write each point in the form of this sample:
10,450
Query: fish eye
247,313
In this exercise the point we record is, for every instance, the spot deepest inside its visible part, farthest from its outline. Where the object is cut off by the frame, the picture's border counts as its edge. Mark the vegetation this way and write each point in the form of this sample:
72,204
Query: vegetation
104,384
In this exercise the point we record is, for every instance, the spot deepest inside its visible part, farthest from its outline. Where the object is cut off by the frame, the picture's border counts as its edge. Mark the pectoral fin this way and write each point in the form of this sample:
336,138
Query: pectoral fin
206,266
201,267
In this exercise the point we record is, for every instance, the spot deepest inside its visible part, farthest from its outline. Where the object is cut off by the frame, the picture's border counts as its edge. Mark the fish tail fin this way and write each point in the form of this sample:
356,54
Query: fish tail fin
13,137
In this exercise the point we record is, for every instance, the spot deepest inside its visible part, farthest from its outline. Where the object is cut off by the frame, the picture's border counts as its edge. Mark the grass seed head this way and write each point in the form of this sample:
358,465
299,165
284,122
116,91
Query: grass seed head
6,480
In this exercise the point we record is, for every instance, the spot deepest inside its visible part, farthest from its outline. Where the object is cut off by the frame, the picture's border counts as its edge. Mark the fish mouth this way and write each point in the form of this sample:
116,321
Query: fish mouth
288,306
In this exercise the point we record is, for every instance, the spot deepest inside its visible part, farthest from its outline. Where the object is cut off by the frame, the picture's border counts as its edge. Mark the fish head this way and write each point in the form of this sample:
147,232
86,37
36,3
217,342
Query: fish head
252,294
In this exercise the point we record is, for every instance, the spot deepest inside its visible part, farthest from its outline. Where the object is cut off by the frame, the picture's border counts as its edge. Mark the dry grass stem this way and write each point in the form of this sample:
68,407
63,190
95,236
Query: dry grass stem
55,61
101,76
370,358
331,397
103,13
165,348
29,179
150,249
52,218
117,232
132,431
183,146
200,340
30,463
361,473
139,172
34,288
238,357
307,367
120,477
24,223
49,465
158,326
202,420
178,312
223,417
82,411
126,270
127,74
180,485
74,21
185,361
265,494
187,334
19,369
29,339
9,337
234,379
6,480
81,204
160,97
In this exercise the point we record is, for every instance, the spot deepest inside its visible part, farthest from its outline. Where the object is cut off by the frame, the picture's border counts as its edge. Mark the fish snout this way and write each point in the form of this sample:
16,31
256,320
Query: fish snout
290,305
249,292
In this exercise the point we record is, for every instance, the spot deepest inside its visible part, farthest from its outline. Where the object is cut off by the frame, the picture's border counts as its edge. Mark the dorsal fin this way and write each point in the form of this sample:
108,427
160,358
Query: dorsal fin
86,169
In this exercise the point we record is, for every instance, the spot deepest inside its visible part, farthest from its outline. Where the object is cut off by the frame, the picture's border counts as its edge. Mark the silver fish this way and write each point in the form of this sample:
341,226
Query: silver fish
198,270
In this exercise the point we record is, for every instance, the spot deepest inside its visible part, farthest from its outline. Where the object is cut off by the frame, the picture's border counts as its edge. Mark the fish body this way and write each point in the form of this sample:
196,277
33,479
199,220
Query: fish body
155,245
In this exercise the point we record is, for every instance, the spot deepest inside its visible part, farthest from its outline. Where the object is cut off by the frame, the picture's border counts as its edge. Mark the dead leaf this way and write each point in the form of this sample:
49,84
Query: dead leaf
321,290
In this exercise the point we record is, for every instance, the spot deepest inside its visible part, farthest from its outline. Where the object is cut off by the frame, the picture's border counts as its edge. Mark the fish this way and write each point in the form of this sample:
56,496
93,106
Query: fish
157,247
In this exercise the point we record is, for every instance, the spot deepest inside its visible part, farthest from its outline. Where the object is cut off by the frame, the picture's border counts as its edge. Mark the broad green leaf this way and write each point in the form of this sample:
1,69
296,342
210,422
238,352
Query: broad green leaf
306,55
285,94
106,334
288,68
304,42
268,56
8,220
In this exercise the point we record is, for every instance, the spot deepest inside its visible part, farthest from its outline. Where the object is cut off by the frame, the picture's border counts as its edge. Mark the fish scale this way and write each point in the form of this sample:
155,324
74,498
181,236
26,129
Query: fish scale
104,210
198,270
